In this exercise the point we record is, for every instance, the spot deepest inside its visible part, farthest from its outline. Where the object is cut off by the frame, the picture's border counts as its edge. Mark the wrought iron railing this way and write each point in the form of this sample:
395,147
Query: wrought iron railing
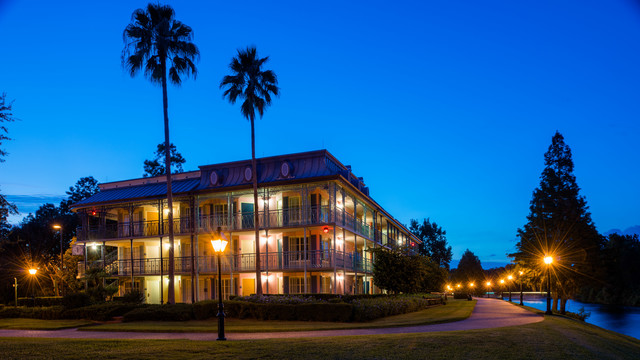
276,261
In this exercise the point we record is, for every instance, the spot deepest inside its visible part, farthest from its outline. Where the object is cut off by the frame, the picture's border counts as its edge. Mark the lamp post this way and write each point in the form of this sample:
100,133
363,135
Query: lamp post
218,246
488,287
548,260
509,278
59,228
501,289
33,272
521,273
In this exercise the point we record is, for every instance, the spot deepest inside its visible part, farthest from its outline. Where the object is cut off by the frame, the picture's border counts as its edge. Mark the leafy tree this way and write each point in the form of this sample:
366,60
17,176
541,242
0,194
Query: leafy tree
84,188
255,86
396,270
5,116
156,167
469,268
560,225
434,241
156,43
6,209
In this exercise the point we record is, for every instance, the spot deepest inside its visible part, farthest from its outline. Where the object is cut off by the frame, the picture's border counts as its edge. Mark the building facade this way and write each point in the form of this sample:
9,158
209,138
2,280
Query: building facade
316,219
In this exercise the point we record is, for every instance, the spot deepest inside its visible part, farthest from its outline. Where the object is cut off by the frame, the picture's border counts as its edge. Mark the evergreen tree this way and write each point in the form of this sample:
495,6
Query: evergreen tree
157,167
434,241
469,269
560,225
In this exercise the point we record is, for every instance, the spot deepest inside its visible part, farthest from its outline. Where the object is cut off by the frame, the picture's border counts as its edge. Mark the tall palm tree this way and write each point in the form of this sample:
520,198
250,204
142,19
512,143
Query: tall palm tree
255,86
155,42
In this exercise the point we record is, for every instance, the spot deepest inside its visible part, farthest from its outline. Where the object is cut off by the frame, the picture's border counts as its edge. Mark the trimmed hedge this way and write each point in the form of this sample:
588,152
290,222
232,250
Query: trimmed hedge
40,301
177,312
100,312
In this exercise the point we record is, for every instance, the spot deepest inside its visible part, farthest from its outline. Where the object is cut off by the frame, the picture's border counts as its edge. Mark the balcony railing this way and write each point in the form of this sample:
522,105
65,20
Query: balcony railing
316,260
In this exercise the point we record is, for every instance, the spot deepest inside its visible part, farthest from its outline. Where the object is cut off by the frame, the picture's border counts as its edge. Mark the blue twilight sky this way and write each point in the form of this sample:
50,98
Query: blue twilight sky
444,107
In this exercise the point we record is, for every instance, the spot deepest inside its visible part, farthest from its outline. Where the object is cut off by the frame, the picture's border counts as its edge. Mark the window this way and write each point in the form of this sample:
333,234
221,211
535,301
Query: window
296,285
325,285
296,248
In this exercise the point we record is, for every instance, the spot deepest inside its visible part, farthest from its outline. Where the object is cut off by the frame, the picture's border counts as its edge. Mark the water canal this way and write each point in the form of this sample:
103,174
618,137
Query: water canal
621,319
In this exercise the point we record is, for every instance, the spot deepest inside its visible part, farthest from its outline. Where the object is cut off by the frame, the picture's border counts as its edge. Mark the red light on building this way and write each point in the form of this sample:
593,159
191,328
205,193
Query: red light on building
325,230
93,212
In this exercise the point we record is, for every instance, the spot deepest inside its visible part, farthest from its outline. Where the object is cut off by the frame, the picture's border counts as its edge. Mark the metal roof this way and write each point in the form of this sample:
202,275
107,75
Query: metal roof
139,191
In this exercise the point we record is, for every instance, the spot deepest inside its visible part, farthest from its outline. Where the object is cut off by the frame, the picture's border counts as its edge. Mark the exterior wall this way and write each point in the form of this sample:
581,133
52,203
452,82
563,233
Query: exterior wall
338,225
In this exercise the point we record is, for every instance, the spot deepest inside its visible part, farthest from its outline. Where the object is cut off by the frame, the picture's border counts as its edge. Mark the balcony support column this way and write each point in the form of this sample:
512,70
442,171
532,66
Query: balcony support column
103,264
344,263
86,254
266,252
355,263
333,260
131,255
344,207
161,274
232,289
305,257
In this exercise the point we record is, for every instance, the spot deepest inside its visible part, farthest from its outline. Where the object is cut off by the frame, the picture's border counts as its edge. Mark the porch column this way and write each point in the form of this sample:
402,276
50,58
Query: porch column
355,262
131,254
161,274
160,232
335,278
266,246
305,259
196,215
344,263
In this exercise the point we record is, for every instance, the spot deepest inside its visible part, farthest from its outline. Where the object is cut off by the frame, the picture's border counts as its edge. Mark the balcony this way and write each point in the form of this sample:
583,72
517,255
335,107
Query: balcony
280,218
317,260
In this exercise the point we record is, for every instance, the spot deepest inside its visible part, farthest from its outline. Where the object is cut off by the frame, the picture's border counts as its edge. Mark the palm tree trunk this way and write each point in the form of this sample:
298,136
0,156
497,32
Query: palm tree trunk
255,209
171,298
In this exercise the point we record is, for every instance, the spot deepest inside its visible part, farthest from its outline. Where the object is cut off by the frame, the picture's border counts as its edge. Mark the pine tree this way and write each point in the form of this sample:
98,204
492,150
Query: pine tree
559,224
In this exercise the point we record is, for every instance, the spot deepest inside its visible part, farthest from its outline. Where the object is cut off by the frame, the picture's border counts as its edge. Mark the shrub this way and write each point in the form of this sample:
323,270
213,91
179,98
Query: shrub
76,300
132,297
370,309
177,312
45,313
324,312
460,295
205,309
99,312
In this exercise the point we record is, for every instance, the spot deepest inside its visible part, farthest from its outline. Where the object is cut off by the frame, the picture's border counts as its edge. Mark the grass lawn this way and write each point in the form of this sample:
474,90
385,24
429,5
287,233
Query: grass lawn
36,324
455,310
554,338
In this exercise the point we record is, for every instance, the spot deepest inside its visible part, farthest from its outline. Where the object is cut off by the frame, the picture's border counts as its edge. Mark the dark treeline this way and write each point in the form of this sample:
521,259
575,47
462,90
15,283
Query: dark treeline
35,243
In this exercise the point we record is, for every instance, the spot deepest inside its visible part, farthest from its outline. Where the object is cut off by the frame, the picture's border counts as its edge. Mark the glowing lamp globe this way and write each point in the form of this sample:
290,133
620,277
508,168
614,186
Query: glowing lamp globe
488,283
219,245
33,271
548,260
510,277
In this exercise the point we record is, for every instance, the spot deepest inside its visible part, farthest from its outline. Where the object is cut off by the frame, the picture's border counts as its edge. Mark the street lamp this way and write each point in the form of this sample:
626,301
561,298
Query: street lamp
218,247
59,228
33,272
501,289
521,273
488,287
510,278
548,260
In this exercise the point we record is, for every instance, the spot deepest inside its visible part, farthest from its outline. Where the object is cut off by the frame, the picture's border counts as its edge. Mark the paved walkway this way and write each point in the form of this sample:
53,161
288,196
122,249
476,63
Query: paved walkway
488,313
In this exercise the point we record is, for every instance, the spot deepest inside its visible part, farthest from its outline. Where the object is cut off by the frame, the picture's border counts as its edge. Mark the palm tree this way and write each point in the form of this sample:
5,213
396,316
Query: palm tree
252,84
155,42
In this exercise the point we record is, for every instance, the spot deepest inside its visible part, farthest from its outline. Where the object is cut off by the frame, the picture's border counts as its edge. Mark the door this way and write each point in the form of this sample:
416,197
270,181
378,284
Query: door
247,215
248,287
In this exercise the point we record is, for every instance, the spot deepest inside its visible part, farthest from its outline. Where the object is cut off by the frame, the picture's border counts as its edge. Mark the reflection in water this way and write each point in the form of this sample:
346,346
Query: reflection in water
622,319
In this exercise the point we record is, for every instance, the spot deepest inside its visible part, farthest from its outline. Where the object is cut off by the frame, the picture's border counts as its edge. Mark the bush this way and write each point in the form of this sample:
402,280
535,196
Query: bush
44,313
177,312
324,312
205,309
40,301
76,300
132,297
99,312
460,295
370,309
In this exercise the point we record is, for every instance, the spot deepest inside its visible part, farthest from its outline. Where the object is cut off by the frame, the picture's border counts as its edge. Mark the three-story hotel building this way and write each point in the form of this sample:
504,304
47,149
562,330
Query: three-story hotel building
316,219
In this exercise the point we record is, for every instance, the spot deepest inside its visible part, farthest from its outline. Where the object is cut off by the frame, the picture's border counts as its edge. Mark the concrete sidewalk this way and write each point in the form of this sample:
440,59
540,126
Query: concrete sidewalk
488,313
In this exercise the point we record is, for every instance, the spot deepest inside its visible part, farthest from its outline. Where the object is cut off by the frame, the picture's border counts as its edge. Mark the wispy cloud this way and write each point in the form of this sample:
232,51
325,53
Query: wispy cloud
30,203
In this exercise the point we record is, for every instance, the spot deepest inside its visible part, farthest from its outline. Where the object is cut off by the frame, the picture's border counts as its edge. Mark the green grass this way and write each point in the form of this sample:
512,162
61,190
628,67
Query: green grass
554,338
37,324
455,310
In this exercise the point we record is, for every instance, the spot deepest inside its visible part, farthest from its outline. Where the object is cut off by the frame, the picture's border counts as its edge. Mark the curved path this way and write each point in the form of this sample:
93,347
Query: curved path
488,313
